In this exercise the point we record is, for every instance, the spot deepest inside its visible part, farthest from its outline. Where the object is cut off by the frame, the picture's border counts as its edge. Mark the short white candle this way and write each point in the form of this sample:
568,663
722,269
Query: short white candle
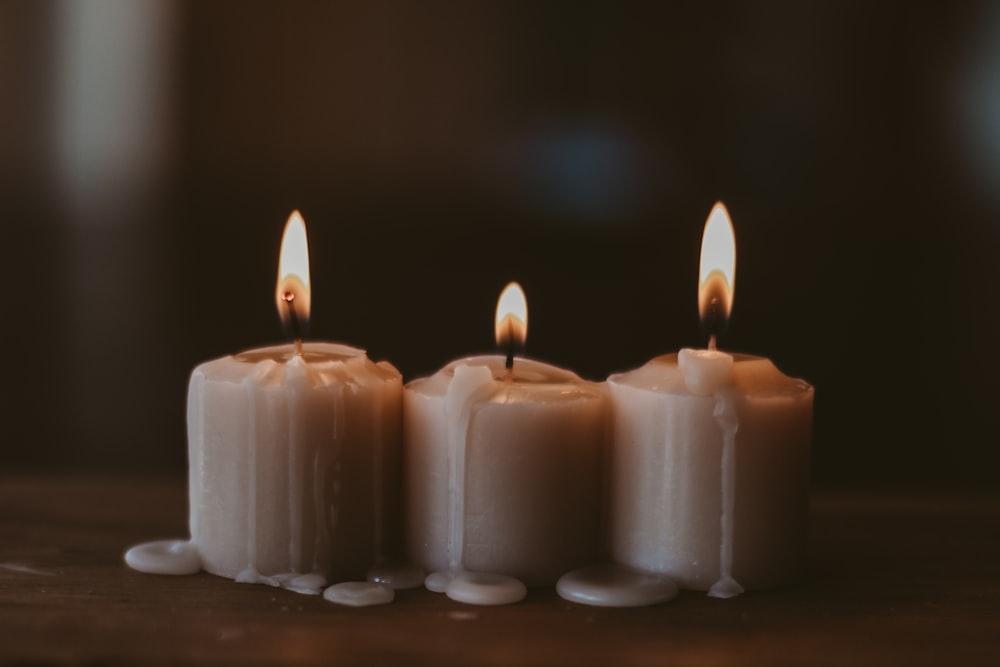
710,456
294,454
293,450
292,458
502,471
667,473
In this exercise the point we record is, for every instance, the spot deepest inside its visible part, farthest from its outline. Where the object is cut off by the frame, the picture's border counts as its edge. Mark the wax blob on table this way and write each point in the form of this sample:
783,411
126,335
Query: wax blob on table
710,471
359,594
177,557
485,588
609,585
502,473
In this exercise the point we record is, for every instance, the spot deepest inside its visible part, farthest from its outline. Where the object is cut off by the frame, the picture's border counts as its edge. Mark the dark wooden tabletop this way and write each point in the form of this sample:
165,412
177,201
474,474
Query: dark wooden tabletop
896,578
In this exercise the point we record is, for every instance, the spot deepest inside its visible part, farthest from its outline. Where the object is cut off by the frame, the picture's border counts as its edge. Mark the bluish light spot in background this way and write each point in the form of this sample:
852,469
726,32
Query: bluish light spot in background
979,105
587,173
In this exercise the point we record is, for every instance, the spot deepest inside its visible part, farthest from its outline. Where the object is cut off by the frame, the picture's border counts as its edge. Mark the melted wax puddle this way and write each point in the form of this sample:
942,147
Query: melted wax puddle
598,585
481,588
615,586
360,593
181,557
177,557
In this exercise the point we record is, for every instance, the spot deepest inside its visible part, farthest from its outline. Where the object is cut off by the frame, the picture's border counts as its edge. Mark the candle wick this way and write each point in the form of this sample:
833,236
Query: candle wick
509,345
293,326
713,321
508,375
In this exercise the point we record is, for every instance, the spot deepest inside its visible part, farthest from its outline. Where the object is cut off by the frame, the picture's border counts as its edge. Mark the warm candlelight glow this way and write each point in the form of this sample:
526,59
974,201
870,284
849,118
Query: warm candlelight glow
512,317
717,270
292,293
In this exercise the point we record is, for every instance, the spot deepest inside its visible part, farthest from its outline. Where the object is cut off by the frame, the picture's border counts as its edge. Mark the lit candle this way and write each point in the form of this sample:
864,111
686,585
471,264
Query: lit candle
710,455
502,469
294,453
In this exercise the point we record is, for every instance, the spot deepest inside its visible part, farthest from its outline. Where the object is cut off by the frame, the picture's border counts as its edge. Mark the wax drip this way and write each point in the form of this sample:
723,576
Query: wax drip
294,465
251,508
250,573
727,418
456,484
470,385
197,466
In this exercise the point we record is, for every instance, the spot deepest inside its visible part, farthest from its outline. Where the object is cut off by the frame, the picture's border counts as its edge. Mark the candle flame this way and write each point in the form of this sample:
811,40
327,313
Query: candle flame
512,317
292,293
717,269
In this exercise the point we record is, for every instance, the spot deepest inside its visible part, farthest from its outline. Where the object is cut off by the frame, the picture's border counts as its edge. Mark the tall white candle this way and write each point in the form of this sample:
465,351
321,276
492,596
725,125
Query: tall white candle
710,456
503,468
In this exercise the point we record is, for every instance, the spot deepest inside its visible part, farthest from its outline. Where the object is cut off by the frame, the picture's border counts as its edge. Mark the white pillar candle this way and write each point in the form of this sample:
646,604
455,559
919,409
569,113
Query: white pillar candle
502,471
294,455
710,455
293,450
671,477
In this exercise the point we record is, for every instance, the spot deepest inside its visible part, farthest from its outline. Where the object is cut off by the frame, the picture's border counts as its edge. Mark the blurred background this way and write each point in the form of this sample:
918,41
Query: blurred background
151,150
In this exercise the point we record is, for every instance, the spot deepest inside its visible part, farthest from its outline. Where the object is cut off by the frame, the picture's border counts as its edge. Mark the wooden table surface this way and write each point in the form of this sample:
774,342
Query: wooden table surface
896,578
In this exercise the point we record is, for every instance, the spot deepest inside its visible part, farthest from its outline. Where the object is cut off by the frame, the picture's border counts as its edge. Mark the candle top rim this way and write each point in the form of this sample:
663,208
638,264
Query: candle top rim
530,375
321,364
312,352
752,375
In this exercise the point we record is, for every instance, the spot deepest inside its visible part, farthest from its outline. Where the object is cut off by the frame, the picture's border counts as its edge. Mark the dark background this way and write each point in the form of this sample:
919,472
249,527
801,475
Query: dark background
150,153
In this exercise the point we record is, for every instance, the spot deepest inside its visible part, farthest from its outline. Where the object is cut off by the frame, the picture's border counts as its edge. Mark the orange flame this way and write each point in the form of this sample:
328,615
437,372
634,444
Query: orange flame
512,317
292,293
717,269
